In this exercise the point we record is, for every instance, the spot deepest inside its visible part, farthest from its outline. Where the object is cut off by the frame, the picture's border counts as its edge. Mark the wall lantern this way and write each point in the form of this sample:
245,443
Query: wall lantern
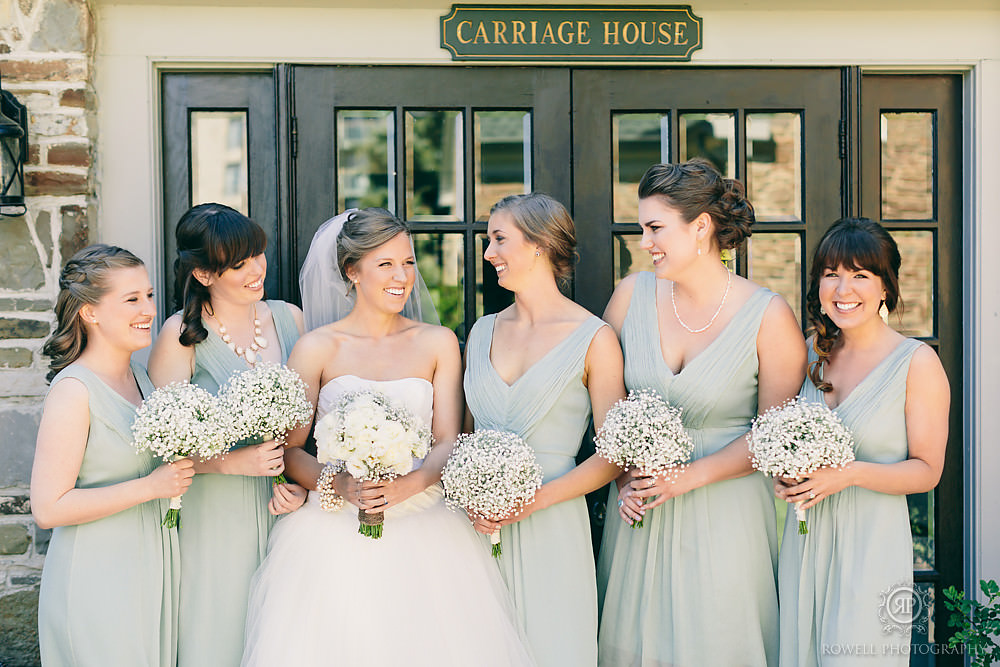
13,154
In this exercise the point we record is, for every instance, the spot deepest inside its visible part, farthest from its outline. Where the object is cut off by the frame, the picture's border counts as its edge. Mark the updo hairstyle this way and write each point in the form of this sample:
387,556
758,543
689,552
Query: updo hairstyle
546,223
695,187
364,231
856,244
213,238
83,280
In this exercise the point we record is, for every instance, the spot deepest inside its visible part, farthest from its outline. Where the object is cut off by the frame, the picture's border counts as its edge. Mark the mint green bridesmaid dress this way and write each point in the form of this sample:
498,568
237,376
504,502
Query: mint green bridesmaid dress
225,526
547,559
858,549
695,586
109,587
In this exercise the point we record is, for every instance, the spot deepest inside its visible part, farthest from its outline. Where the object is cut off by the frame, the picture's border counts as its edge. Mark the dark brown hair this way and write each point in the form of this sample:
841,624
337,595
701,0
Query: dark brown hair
83,280
695,187
211,237
856,244
547,223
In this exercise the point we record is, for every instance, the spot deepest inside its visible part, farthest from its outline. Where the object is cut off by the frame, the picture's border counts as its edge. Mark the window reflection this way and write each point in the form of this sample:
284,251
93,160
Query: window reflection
916,283
503,157
629,257
774,165
775,261
639,140
219,162
366,160
434,182
711,136
907,166
440,258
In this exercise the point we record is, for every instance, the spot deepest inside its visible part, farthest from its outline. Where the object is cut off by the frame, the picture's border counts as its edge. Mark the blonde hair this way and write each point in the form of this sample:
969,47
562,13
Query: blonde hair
83,280
546,222
364,231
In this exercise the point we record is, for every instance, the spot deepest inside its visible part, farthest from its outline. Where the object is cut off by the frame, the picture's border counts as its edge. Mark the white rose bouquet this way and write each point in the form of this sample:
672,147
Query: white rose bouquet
177,421
372,439
795,439
645,432
492,474
265,402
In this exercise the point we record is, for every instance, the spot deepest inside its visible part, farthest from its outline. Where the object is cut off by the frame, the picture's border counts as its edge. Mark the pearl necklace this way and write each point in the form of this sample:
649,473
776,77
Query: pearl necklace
729,282
249,354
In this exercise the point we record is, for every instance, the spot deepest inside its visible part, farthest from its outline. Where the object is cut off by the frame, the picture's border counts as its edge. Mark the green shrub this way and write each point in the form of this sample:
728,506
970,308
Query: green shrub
978,623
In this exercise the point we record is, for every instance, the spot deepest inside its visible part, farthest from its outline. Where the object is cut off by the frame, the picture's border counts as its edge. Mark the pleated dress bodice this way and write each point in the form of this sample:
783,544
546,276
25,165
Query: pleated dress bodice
547,559
703,564
109,586
834,580
225,526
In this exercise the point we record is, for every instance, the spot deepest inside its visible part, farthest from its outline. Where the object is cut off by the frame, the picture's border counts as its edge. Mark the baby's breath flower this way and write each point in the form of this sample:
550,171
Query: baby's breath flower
492,474
797,438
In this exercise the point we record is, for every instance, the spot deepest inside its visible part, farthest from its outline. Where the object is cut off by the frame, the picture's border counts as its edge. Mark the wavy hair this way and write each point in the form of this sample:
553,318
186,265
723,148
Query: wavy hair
83,280
856,244
214,238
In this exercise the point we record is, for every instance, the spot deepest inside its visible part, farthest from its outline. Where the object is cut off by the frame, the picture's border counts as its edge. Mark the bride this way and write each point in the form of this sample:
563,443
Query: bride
427,592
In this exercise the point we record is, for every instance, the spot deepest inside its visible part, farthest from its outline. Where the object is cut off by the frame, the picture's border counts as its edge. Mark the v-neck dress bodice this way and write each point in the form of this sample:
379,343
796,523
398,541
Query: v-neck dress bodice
547,559
703,564
835,580
225,525
109,586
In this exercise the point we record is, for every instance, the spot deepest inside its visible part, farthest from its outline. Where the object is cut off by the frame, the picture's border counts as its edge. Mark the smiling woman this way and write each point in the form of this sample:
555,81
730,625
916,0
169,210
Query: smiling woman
109,587
223,327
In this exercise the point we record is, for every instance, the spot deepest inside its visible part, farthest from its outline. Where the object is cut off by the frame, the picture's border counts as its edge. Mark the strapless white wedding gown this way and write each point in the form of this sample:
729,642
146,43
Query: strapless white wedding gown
426,593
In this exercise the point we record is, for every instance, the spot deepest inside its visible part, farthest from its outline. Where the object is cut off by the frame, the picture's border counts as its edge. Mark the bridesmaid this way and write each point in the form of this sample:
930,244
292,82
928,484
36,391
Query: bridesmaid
892,393
109,585
539,368
696,584
223,327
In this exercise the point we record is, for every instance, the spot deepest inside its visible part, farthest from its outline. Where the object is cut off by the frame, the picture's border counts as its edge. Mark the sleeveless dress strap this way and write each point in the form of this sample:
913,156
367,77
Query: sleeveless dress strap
284,324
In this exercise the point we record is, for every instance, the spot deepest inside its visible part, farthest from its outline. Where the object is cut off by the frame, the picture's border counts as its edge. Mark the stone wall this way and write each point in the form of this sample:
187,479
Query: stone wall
46,61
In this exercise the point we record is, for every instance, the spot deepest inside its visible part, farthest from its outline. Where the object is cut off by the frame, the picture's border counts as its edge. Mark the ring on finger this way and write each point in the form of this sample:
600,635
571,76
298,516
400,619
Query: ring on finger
811,495
620,502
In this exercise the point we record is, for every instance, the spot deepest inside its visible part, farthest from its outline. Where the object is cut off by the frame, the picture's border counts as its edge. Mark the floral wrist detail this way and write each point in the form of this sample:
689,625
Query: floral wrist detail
329,500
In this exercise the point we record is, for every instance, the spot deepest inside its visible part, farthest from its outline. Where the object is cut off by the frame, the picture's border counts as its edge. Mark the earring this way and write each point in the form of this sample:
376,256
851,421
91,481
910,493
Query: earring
699,251
538,253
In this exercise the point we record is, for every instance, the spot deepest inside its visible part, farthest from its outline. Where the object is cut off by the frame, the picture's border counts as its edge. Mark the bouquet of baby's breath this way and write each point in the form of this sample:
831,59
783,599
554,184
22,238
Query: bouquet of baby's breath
492,474
177,421
645,432
795,439
266,402
373,439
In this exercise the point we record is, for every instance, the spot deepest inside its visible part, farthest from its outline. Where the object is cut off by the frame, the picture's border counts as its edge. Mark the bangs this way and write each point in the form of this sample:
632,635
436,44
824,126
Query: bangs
231,239
852,248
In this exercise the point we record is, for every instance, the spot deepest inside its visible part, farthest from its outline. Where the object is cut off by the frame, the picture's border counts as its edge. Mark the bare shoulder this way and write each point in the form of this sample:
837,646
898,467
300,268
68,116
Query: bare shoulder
68,394
778,315
926,370
436,337
605,343
614,312
322,342
172,327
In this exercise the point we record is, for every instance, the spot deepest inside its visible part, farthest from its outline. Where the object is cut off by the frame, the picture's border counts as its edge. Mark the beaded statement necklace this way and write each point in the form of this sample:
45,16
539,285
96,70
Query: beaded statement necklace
729,282
248,354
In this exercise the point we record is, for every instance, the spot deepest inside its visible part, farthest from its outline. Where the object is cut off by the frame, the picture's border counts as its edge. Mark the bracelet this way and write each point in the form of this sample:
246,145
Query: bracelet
329,500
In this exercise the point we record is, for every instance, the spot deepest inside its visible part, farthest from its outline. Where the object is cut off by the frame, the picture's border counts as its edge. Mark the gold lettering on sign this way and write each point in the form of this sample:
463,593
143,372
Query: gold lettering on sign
548,34
518,28
499,32
563,37
581,30
635,33
652,38
534,32
481,32
458,33
664,30
679,37
608,34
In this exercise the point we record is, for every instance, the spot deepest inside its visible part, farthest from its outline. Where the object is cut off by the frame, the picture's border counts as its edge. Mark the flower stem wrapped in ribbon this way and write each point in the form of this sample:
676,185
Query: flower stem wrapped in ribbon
492,474
645,432
265,402
374,440
797,438
177,421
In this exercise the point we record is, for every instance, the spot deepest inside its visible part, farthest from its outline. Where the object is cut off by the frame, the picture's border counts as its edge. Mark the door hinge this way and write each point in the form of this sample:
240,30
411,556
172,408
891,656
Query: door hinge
842,139
295,137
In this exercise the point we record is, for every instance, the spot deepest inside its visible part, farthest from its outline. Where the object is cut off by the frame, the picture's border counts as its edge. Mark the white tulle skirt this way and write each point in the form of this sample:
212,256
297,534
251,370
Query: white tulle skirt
426,593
